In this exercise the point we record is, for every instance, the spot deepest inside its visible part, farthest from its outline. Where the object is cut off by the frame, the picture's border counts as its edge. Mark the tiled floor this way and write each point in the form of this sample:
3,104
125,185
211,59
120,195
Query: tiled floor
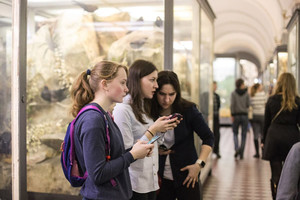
231,179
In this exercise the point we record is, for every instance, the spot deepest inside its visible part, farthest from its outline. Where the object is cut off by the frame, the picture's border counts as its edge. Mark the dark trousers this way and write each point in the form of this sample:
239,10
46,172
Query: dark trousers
240,120
216,130
169,192
144,196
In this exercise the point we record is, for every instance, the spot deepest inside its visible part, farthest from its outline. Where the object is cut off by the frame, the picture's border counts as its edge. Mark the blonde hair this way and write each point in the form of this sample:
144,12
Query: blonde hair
286,86
84,88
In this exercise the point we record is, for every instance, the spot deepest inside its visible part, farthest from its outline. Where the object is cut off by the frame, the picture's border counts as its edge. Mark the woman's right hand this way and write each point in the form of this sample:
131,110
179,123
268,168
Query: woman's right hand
164,152
163,124
141,149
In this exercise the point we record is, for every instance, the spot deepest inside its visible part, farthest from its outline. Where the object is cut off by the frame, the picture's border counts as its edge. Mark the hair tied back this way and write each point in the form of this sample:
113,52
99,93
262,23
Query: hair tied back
88,72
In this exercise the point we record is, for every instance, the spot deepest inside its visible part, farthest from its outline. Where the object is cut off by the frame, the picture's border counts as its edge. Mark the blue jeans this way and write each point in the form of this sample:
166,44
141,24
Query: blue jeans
243,121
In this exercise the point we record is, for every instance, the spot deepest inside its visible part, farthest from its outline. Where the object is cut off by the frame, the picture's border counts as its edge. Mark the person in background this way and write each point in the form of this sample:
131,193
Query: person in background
101,87
257,102
216,128
179,165
239,105
281,132
289,183
135,123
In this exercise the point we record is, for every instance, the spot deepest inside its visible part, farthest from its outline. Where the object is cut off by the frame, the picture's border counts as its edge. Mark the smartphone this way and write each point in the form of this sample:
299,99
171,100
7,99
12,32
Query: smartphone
154,139
178,115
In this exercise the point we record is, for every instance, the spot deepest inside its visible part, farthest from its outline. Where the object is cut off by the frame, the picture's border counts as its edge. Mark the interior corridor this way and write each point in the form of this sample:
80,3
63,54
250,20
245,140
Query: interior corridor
231,179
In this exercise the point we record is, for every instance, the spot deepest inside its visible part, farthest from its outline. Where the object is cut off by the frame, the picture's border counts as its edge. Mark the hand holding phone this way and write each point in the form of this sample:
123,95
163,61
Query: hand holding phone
178,115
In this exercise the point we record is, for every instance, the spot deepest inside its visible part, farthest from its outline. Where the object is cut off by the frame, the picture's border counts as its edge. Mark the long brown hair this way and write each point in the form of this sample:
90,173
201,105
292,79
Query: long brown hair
254,89
286,86
138,70
84,88
179,105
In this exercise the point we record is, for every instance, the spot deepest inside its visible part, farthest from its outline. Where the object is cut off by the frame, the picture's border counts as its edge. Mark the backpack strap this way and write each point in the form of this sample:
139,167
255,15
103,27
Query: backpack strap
107,138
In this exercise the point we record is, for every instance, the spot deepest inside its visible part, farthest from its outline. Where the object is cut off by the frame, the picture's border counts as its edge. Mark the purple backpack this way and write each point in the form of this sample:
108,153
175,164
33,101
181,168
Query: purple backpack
68,158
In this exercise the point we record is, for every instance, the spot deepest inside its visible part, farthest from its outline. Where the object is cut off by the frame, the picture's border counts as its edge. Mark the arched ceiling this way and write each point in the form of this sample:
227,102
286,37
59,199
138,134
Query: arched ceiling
252,26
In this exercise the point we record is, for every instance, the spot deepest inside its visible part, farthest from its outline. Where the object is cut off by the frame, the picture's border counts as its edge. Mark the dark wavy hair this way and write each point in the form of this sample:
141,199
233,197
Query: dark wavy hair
138,70
179,105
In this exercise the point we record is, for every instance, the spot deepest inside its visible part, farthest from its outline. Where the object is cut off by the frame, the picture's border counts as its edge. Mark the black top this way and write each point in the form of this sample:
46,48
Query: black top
284,118
184,148
89,138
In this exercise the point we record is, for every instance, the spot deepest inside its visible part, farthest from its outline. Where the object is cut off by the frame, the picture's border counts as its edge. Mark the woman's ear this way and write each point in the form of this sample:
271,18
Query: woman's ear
103,84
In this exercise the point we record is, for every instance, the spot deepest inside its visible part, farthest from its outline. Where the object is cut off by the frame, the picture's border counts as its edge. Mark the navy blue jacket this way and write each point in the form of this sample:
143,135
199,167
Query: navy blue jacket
184,148
90,151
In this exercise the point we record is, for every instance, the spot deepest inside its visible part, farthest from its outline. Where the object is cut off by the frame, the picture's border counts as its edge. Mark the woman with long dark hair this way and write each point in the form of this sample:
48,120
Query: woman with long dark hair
281,132
179,165
135,123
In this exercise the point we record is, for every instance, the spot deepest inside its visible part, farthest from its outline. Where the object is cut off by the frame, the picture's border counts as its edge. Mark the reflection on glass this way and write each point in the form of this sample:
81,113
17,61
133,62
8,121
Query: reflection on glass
266,80
66,38
5,101
282,62
224,74
249,72
293,51
205,64
186,47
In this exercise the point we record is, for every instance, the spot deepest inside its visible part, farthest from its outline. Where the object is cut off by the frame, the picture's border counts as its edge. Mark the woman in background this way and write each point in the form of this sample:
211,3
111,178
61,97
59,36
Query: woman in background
102,86
179,165
281,132
135,123
257,102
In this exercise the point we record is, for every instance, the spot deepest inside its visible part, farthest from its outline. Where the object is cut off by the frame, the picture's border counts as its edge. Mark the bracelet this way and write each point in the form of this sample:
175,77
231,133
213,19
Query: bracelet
150,132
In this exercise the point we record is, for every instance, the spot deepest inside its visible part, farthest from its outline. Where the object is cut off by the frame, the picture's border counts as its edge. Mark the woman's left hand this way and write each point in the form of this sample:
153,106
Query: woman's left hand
150,153
192,176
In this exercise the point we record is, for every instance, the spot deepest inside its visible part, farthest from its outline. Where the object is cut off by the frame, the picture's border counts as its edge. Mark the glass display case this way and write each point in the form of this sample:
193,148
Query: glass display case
192,57
206,58
5,100
68,37
293,46
224,75
186,47
206,75
266,80
280,59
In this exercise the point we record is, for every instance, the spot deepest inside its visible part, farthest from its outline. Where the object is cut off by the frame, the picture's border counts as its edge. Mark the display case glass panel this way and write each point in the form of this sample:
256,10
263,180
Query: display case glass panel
266,81
66,38
293,50
206,57
273,74
249,72
5,100
224,75
282,62
186,47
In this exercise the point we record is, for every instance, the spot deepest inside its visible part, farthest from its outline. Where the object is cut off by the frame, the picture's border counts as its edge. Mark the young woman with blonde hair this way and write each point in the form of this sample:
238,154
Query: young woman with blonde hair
281,132
108,177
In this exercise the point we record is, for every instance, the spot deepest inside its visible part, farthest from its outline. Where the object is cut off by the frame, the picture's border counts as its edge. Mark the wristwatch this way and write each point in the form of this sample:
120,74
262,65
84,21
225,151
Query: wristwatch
201,163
